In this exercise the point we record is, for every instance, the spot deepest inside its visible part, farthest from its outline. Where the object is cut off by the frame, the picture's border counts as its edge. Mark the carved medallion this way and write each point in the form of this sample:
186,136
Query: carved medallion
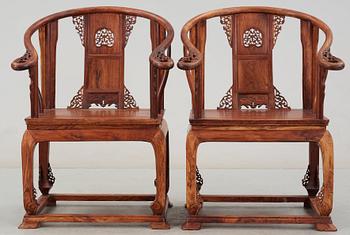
104,37
252,37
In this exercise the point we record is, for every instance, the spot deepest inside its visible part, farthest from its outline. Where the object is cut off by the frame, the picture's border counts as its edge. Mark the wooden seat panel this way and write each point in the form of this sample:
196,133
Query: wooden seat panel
243,117
92,118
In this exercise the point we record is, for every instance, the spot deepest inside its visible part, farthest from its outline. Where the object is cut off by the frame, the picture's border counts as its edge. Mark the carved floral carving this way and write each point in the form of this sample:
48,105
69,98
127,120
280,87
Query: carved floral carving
252,37
104,37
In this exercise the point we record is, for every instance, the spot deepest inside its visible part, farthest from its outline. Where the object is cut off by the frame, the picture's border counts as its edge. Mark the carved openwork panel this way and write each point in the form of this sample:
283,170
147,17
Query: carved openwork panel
253,103
252,37
104,37
77,101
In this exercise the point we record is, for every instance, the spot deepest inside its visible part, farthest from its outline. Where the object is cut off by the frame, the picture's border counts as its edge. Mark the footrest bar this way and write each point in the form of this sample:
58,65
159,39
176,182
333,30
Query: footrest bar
102,197
93,218
255,198
290,219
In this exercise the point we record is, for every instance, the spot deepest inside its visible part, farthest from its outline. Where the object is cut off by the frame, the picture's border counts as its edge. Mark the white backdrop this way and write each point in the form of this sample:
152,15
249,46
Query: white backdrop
17,15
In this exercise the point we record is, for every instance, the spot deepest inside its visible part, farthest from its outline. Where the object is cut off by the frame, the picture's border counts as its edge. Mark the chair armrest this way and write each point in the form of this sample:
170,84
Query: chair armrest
193,60
24,62
192,56
159,59
330,62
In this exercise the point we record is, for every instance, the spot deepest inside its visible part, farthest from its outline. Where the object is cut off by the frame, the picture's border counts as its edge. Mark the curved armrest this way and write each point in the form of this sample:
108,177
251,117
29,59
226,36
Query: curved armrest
24,62
330,62
191,61
159,59
194,57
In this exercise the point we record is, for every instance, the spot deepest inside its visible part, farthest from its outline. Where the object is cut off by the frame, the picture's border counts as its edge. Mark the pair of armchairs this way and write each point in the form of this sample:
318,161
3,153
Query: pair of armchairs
252,110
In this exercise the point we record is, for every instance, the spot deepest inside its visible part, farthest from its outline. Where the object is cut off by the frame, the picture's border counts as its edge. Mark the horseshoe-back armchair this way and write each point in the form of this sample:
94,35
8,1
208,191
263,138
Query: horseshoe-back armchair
104,33
253,109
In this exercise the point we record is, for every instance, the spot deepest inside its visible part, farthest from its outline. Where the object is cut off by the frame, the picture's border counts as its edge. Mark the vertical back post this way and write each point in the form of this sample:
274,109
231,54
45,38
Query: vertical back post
48,35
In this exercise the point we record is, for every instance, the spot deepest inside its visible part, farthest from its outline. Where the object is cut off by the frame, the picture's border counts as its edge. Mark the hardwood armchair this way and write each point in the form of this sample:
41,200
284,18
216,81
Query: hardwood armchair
253,110
104,33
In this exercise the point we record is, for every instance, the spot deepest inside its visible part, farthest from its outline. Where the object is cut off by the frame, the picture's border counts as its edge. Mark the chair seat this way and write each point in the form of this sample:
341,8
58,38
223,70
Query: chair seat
92,118
293,117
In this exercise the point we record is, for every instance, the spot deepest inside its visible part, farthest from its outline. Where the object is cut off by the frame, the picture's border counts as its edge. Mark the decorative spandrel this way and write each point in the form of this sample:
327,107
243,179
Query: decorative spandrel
305,181
77,101
78,22
227,26
199,179
252,37
226,101
104,36
278,21
280,102
130,21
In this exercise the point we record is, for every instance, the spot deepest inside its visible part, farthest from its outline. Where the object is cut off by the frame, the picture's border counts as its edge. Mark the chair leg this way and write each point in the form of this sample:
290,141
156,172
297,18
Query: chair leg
193,201
311,179
46,177
160,204
29,192
170,205
324,198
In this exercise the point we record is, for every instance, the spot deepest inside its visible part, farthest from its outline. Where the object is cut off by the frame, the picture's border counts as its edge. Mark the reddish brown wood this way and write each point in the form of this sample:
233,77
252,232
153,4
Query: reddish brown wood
252,33
104,32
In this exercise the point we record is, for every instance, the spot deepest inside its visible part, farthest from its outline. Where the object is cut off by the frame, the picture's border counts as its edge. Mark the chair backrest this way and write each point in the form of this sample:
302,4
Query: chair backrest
252,33
104,33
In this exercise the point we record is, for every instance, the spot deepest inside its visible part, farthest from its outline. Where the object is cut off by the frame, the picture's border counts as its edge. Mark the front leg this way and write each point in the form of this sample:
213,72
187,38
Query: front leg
324,198
29,192
160,204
